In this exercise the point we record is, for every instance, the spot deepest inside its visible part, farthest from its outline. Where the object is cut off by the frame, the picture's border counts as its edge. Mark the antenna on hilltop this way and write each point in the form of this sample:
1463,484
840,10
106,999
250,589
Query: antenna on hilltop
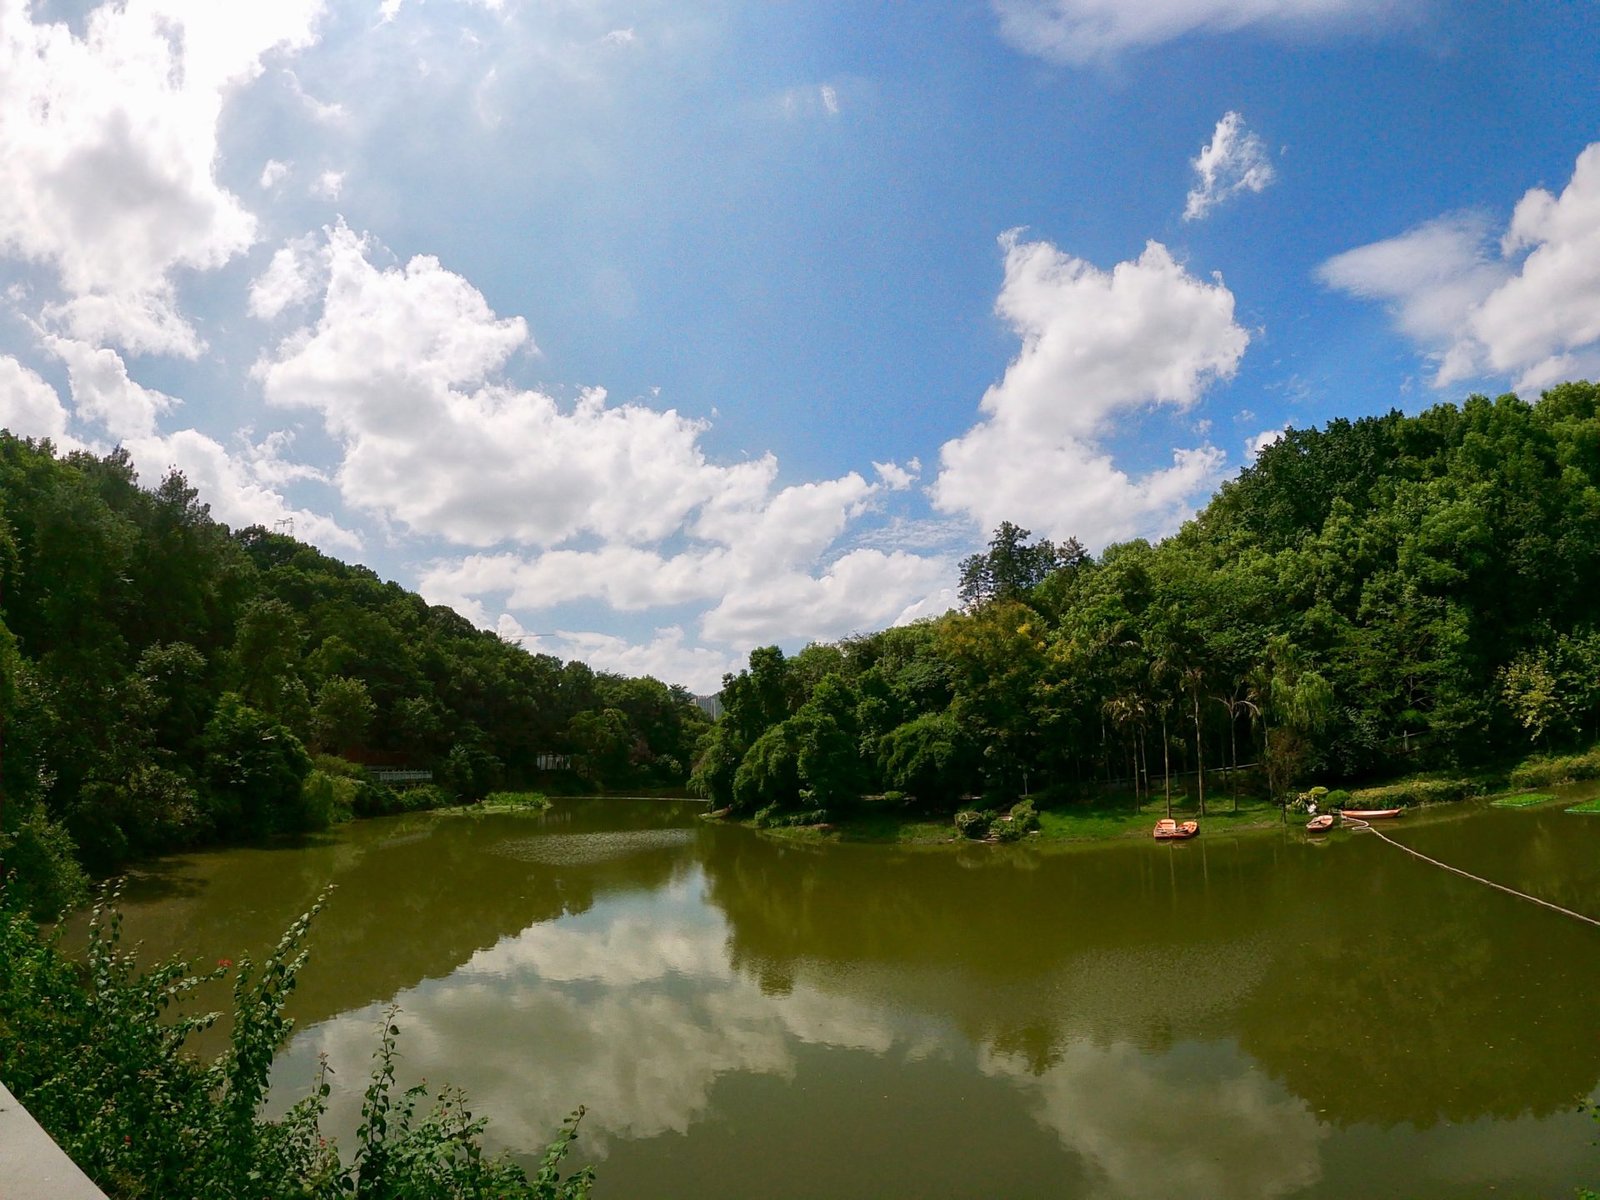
285,527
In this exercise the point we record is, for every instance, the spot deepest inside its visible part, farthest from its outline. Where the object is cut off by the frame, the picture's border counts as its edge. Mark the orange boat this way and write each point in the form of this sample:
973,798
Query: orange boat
1320,823
1168,830
1372,814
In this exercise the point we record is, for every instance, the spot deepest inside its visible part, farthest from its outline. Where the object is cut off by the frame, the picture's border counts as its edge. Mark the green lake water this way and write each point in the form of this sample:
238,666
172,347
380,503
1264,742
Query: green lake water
1261,1015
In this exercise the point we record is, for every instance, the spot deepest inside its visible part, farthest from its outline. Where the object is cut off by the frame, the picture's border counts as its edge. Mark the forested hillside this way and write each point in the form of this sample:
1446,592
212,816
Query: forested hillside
1375,597
164,681
1379,596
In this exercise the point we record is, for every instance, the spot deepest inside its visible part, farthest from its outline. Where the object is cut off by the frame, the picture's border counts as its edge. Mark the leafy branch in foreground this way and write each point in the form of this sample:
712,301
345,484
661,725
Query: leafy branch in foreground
96,1054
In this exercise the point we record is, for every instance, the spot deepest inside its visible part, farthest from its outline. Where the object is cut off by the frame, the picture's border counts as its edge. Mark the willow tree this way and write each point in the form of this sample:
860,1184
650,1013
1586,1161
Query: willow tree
1292,700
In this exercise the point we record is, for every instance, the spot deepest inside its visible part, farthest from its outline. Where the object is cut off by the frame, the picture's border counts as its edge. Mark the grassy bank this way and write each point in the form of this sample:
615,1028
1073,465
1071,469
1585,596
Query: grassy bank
1080,821
1060,820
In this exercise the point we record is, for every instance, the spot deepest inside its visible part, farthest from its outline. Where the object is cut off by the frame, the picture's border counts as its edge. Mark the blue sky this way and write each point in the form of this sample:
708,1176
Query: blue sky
647,332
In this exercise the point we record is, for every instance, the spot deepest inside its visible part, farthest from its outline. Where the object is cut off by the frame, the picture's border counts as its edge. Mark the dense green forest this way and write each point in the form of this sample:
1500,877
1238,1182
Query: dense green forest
165,682
1377,597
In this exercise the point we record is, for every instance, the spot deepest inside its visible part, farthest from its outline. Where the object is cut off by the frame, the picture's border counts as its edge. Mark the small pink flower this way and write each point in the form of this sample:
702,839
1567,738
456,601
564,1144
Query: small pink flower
224,962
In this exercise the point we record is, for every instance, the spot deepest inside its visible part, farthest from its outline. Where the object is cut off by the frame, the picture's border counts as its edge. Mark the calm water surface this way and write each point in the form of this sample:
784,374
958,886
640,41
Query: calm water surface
1257,1016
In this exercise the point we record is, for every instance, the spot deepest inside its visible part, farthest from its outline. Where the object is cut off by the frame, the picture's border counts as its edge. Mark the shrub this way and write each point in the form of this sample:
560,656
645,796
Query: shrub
343,768
97,1058
328,799
374,799
471,771
1008,831
255,768
1415,791
531,801
774,817
769,774
931,757
422,798
1542,772
973,824
1024,817
40,859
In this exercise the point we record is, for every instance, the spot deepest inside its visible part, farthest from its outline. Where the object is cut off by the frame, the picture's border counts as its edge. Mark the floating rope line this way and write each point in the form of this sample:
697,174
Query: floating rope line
1443,866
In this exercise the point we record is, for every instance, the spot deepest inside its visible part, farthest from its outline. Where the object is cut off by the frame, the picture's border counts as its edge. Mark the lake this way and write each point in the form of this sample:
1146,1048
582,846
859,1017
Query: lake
1260,1015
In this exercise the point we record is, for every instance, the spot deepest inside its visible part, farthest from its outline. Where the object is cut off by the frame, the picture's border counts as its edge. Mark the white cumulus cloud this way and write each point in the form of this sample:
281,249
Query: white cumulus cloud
895,477
1253,446
273,173
1523,306
30,407
1233,161
1079,31
1095,345
404,366
103,394
238,487
108,148
290,279
241,487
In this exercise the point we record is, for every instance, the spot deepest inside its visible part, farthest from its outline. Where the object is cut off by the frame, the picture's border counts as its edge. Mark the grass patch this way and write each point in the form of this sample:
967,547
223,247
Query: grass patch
1564,768
1588,806
526,802
869,826
1100,820
1416,791
1521,800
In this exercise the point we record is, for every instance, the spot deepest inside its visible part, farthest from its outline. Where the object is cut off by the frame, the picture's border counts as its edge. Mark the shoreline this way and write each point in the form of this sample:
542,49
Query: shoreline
1074,824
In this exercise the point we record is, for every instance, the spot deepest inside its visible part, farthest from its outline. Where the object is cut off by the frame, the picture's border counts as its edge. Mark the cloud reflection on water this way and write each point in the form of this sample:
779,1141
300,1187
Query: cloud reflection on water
636,1010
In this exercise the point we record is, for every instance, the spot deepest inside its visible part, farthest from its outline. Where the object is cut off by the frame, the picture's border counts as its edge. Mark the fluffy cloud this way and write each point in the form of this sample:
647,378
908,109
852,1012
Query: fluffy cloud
290,279
1233,161
108,144
242,488
896,477
1525,306
1253,446
403,367
1095,345
238,487
864,590
102,392
273,173
30,407
1432,277
1079,31
758,599
667,656
399,365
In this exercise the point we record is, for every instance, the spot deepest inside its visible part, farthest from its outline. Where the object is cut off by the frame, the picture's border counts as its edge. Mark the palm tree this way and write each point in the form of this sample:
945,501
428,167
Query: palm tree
1130,711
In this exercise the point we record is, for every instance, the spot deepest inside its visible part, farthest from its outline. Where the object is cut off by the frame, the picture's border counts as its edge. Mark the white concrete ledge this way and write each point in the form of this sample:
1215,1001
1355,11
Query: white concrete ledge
32,1166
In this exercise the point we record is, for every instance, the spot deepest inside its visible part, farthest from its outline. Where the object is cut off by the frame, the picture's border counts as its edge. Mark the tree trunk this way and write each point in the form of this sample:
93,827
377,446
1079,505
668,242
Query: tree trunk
1166,762
1233,742
1199,753
1144,761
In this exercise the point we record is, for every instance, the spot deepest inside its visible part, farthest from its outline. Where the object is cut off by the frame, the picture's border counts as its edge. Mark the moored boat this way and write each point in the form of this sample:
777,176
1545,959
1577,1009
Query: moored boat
1321,822
1168,830
1372,814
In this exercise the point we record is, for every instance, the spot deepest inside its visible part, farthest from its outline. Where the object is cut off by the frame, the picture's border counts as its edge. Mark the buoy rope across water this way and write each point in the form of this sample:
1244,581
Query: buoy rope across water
1444,866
